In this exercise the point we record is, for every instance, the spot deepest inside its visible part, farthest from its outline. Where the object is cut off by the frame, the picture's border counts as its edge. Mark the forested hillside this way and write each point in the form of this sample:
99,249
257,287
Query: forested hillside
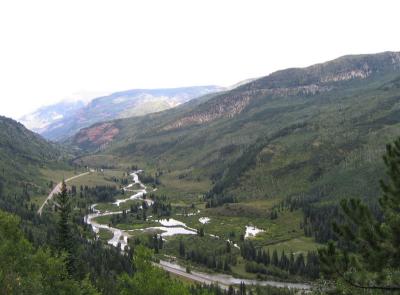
23,153
56,252
301,138
313,131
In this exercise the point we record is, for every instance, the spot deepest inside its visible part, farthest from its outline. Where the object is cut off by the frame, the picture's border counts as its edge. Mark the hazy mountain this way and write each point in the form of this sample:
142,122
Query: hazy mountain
319,130
40,120
64,119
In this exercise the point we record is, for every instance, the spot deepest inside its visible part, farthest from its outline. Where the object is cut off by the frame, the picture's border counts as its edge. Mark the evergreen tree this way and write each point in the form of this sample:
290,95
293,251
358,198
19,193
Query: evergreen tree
26,269
369,254
148,279
65,243
242,289
275,259
181,249
200,232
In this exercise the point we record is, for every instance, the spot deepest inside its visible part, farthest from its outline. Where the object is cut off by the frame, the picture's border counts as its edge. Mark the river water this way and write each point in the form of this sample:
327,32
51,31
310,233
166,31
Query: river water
168,228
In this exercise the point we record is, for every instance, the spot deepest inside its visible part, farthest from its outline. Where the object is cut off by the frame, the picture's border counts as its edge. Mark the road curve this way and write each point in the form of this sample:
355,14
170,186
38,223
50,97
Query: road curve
223,280
120,237
56,190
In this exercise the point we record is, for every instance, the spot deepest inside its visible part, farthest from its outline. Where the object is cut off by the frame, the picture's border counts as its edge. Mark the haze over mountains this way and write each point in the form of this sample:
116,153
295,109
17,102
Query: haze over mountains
289,133
61,120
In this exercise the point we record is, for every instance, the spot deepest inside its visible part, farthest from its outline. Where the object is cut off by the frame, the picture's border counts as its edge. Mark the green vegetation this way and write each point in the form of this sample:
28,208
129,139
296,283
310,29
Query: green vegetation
276,154
22,154
148,279
305,139
368,257
27,270
105,235
65,243
100,178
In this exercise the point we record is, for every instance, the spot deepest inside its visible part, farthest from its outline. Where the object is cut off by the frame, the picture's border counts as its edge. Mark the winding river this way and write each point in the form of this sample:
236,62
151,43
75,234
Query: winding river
168,227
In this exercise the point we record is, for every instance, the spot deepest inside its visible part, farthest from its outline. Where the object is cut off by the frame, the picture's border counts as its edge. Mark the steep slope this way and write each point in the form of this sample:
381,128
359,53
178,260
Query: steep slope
40,120
318,131
117,105
22,154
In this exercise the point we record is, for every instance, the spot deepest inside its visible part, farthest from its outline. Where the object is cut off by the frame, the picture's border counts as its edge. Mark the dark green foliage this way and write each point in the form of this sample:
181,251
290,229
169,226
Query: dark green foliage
99,193
156,243
161,207
65,242
259,261
205,251
217,199
149,179
148,279
368,256
318,219
27,270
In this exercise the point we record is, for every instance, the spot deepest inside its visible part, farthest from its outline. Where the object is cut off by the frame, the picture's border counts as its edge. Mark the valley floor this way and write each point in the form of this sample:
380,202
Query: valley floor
118,223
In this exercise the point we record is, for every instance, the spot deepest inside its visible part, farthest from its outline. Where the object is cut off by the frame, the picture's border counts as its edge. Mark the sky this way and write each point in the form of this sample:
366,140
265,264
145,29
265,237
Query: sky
56,50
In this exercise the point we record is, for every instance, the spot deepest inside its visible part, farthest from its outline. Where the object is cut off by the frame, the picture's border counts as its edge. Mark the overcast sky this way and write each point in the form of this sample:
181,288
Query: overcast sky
54,50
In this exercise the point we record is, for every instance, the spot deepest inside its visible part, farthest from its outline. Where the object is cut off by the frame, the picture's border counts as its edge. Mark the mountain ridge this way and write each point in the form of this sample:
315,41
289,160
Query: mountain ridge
23,153
61,120
244,139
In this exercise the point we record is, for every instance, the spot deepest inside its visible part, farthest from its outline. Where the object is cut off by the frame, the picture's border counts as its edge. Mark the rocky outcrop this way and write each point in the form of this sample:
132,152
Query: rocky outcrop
98,135
347,75
229,105
226,106
291,82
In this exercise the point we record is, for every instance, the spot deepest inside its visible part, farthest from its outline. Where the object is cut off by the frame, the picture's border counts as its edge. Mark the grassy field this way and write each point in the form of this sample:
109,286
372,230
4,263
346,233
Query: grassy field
182,191
51,177
57,176
226,222
105,235
98,178
296,246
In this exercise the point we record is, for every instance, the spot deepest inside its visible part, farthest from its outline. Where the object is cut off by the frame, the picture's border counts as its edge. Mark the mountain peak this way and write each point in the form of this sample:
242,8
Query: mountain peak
310,80
66,118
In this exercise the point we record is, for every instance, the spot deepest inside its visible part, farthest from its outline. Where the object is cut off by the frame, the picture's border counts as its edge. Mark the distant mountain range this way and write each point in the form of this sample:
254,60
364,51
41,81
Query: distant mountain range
318,131
40,120
64,119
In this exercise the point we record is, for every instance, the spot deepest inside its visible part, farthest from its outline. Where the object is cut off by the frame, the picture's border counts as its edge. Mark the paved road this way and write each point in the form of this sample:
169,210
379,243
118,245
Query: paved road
224,280
56,190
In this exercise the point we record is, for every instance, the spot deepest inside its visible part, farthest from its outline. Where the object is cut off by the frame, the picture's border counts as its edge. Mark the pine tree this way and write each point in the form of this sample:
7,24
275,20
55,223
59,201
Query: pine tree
181,248
65,243
242,288
275,259
369,256
292,269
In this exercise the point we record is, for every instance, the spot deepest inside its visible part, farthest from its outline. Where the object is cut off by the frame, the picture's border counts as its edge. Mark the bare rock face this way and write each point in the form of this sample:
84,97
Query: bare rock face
228,106
291,82
100,134
395,59
231,104
348,75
